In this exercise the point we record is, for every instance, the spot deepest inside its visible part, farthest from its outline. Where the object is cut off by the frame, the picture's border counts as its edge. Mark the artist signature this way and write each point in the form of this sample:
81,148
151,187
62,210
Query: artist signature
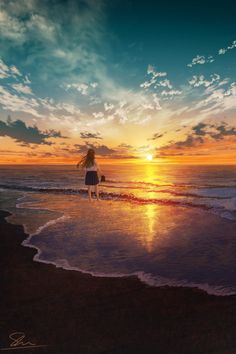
18,340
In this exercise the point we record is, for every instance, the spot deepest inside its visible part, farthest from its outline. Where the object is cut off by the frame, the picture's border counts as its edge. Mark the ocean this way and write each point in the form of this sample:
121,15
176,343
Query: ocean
168,224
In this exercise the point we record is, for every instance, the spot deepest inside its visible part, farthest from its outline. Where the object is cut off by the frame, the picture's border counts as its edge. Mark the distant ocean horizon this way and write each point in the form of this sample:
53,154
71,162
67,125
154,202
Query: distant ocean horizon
168,224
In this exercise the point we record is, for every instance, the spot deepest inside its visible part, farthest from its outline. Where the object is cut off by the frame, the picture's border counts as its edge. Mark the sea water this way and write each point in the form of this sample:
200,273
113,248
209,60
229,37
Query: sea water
168,224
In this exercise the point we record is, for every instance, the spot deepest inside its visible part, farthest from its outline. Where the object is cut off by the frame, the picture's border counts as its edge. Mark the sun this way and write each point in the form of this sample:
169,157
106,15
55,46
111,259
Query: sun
149,157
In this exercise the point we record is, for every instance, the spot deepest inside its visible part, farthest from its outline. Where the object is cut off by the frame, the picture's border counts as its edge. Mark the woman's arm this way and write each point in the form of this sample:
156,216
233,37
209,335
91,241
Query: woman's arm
98,168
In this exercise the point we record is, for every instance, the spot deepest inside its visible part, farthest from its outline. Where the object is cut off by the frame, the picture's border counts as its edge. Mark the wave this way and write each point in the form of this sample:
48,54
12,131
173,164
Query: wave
176,184
60,190
205,205
147,278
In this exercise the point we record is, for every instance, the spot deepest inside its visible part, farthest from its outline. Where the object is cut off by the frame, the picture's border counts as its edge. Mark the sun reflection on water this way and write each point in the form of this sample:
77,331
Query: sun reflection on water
149,236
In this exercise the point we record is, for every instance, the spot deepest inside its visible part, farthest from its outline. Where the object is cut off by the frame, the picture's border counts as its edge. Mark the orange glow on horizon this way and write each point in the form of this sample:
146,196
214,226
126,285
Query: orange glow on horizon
220,152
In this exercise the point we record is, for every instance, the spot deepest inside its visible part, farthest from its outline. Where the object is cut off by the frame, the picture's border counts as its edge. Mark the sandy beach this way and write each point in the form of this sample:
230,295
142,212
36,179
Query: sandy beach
61,311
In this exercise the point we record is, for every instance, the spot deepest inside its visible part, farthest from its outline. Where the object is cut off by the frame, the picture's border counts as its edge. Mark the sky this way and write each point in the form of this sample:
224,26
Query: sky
127,78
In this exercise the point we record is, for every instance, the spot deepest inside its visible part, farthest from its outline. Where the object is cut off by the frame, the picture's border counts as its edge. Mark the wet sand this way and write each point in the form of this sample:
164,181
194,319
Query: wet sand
72,312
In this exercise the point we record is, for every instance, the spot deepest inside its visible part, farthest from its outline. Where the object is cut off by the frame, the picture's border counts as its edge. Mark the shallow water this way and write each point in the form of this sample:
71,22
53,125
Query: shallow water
169,225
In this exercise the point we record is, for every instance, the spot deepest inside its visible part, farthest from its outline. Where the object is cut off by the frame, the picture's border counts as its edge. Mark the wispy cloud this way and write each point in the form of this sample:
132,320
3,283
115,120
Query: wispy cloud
82,87
219,99
101,150
88,135
8,71
225,50
200,80
108,106
15,103
201,59
22,89
164,83
157,136
151,71
171,93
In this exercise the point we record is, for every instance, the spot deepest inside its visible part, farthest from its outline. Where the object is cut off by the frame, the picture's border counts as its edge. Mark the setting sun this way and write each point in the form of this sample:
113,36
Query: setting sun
149,157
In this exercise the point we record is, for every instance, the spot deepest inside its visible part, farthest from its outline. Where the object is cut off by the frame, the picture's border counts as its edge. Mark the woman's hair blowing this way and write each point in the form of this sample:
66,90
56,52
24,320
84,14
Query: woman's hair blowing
88,159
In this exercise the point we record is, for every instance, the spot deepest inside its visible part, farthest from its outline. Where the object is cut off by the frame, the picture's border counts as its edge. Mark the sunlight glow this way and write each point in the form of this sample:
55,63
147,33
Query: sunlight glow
149,157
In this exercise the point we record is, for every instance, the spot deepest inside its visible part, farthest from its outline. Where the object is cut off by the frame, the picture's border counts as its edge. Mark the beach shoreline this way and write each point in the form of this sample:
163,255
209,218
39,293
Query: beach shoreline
61,311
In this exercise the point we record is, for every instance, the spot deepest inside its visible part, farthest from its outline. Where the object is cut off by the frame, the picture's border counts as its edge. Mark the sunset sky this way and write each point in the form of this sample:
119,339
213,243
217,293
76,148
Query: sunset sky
129,78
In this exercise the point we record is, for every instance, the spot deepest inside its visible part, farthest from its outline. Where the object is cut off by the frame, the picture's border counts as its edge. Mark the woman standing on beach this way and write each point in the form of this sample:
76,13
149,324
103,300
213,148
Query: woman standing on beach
89,163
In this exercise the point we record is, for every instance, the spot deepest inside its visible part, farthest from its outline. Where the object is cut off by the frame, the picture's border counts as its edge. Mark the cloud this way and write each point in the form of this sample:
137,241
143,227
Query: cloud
26,80
74,55
225,50
199,129
4,70
87,135
108,106
201,59
148,83
152,71
156,100
14,71
22,89
15,103
199,135
125,146
171,92
94,84
157,83
121,152
62,48
98,114
18,131
157,136
190,141
164,83
222,131
154,75
220,99
11,28
70,108
76,64
81,87
124,157
200,80
143,149
222,51
215,99
8,71
36,106
101,150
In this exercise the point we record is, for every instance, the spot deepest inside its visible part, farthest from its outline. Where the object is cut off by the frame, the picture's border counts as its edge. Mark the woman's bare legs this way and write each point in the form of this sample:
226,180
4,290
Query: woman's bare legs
97,191
89,193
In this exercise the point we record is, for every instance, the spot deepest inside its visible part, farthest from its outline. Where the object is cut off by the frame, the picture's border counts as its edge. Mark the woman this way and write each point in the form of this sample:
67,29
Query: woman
89,163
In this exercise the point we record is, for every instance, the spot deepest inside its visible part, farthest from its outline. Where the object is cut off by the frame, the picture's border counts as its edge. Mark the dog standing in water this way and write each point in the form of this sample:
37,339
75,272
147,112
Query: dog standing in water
89,163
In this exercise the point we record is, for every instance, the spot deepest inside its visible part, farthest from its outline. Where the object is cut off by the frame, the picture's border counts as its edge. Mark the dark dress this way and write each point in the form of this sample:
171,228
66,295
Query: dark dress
91,178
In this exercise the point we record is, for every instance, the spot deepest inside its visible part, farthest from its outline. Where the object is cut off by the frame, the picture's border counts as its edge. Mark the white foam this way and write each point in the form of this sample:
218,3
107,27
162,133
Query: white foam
226,192
21,205
147,278
50,223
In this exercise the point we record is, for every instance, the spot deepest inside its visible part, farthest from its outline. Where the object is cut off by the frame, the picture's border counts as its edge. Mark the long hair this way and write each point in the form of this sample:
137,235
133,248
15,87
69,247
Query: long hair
88,159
